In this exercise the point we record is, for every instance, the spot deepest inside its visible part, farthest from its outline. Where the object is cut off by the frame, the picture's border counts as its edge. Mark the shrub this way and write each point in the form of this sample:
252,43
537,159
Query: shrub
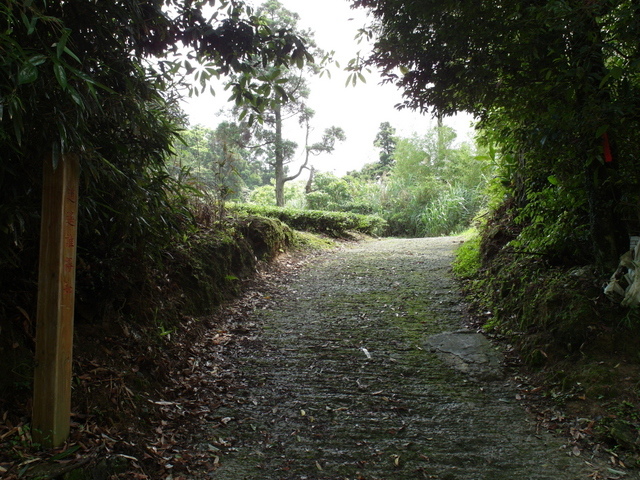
335,224
467,262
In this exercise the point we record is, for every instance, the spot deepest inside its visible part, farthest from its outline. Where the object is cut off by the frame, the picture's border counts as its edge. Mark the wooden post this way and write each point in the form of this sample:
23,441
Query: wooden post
56,293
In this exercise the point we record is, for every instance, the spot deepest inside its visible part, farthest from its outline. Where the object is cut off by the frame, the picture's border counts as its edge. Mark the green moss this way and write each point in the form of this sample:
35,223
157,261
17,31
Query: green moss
546,311
334,224
209,266
311,241
267,236
467,262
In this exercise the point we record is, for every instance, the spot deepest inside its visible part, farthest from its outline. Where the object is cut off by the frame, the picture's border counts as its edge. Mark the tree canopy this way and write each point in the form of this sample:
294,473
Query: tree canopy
385,140
95,84
555,85
100,80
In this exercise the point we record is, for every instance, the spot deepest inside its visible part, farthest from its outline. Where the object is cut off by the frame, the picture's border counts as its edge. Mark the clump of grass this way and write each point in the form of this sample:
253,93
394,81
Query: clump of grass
467,262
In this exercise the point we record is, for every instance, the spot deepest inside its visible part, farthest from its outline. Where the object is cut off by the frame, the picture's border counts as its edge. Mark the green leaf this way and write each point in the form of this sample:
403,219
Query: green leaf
61,75
37,60
71,54
601,130
27,74
62,43
66,453
281,92
75,96
616,72
553,180
25,20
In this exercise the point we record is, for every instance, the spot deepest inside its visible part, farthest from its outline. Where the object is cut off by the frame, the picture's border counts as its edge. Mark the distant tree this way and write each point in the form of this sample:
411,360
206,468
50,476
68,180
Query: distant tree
386,141
217,160
327,143
288,97
329,193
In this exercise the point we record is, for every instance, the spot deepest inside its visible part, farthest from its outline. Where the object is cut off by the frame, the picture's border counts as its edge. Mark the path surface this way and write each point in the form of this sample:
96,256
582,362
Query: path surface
363,370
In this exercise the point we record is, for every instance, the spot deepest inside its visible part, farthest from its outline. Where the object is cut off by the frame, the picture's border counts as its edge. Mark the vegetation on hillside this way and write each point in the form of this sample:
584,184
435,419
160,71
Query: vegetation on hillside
556,88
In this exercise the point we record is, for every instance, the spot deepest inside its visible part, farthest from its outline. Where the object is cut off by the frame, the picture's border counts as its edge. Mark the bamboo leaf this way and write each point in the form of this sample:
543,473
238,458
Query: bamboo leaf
37,60
602,130
71,54
66,453
75,96
62,43
27,74
61,75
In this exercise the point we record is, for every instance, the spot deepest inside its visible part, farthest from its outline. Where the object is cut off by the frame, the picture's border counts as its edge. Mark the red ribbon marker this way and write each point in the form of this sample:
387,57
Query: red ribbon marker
608,157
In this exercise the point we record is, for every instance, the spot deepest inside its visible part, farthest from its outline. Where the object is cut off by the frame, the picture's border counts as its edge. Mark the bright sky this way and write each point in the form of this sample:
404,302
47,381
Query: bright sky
358,110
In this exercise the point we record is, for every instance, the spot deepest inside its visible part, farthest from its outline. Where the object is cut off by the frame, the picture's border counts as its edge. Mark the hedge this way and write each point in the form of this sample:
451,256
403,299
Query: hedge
334,224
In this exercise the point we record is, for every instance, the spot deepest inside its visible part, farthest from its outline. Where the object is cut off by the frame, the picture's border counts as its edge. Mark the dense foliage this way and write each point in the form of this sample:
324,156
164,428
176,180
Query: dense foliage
548,81
77,78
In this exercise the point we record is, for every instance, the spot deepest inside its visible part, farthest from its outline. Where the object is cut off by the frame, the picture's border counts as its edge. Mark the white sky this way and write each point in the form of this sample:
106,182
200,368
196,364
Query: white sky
358,110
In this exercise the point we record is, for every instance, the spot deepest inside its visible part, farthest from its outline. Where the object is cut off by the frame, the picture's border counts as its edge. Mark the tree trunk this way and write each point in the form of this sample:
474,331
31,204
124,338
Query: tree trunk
609,236
440,146
279,160
309,186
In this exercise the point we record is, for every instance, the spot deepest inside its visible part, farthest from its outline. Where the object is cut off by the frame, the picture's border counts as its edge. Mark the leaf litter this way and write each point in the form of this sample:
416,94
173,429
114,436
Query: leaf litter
178,410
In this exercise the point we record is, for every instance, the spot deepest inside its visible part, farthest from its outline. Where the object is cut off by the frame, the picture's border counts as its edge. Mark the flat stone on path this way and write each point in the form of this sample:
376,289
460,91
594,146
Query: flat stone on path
467,351
351,377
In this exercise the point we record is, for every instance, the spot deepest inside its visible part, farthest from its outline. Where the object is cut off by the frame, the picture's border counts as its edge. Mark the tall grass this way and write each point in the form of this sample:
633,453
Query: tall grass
451,211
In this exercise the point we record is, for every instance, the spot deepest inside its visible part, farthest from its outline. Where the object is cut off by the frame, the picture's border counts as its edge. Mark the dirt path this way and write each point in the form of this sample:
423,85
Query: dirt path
362,369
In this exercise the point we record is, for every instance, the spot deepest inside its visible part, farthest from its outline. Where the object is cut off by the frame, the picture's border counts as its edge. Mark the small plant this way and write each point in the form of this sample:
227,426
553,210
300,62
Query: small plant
467,262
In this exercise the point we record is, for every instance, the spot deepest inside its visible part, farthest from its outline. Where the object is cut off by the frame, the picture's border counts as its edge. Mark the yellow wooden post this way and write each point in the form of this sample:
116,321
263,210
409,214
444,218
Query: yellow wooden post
56,293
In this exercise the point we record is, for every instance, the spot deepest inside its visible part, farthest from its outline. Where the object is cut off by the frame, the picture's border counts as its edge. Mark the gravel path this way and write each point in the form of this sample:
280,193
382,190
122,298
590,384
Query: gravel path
362,369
